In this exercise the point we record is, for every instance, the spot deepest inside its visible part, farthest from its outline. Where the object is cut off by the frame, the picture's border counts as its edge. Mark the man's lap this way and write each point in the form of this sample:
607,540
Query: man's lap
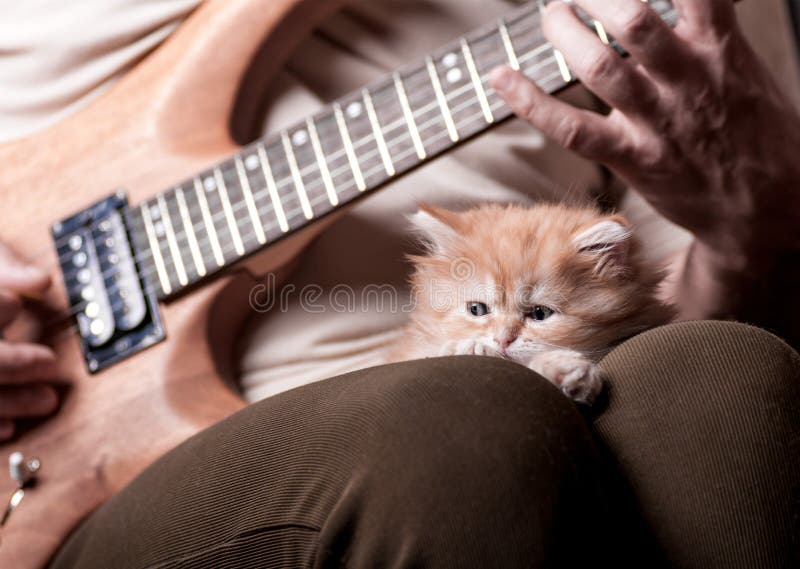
685,428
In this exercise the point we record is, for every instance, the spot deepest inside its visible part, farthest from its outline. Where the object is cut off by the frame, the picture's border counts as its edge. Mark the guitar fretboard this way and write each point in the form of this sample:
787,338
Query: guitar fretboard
280,184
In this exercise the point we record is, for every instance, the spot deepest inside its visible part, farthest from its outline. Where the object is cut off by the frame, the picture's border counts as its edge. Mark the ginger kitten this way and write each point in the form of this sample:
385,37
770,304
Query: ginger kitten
551,287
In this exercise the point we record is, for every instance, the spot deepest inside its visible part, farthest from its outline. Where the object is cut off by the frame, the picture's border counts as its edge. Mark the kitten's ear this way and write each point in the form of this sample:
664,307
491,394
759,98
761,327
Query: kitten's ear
609,241
439,228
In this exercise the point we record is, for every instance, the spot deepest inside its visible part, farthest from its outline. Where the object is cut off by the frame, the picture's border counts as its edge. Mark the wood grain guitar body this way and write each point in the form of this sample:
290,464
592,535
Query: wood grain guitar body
164,120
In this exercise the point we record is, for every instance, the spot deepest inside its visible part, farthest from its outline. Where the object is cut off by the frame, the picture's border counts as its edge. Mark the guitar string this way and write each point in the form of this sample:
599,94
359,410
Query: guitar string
334,158
249,234
398,124
337,169
151,286
321,198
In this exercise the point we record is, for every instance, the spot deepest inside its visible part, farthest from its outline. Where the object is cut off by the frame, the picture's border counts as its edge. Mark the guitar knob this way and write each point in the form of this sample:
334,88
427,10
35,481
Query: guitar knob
22,471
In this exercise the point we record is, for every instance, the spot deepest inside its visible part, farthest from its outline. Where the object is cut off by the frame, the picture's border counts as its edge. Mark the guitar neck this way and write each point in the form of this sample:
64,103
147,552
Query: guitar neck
284,182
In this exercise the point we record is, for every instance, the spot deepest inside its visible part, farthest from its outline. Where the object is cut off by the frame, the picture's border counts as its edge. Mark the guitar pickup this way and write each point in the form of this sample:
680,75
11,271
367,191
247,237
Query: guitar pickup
114,306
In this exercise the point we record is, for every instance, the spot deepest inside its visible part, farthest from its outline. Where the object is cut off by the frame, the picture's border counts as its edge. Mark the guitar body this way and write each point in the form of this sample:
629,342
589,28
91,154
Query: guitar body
163,121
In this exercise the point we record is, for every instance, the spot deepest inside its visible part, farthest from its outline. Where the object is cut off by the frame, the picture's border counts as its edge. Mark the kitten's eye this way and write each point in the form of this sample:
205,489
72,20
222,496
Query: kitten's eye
477,308
541,313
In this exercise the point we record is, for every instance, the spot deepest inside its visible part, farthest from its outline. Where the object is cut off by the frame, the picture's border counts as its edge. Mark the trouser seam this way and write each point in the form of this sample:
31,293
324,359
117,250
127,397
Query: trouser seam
231,541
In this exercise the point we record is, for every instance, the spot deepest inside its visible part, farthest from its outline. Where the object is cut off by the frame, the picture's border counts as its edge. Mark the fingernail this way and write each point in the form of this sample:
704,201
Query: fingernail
501,78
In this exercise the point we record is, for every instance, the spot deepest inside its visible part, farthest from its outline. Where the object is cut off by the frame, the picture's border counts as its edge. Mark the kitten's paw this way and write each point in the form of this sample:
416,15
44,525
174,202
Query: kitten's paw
578,377
467,347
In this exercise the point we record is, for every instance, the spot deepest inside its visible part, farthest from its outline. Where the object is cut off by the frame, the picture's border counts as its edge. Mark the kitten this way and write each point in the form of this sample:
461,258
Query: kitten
551,287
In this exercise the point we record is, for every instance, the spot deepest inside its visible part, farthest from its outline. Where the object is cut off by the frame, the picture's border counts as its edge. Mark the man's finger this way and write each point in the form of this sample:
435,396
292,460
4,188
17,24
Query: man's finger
705,16
589,134
602,70
26,363
27,401
10,307
642,32
18,277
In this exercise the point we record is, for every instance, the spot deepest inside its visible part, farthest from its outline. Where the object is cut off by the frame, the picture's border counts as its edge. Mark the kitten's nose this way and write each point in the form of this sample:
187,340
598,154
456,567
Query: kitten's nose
505,341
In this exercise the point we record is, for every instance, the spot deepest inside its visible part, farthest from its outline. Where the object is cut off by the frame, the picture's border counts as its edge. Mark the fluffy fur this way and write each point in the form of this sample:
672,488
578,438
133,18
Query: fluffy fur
561,287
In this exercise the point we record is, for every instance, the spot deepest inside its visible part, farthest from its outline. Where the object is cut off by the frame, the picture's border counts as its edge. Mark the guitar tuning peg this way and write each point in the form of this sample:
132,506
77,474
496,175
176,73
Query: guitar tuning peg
22,471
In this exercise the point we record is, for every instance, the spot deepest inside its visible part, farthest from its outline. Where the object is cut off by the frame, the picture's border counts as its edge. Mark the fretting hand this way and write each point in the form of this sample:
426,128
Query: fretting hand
698,126
701,130
23,367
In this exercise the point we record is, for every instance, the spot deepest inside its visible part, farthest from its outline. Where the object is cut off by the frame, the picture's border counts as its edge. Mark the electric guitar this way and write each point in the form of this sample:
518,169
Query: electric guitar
153,221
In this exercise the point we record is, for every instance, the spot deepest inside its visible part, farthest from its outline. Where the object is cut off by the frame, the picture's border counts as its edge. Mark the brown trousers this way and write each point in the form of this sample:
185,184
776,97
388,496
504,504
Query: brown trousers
478,462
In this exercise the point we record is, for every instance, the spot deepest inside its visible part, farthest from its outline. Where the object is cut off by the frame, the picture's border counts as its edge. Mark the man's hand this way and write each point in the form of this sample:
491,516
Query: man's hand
23,367
698,126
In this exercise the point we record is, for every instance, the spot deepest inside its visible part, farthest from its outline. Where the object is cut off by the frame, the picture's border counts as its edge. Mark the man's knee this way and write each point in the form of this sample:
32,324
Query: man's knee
457,425
482,406
470,447
692,368
729,354
698,412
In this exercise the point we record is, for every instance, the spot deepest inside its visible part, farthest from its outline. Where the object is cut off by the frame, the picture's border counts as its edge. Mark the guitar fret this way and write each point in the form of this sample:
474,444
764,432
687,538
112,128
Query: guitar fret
409,116
358,175
172,241
601,31
181,239
209,223
298,179
440,96
476,81
562,63
537,59
272,188
366,152
376,128
512,55
456,84
188,228
323,164
226,205
562,66
156,250
335,156
250,201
